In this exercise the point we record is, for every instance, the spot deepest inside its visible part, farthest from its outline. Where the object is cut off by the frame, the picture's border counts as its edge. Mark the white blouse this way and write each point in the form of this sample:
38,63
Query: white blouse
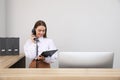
44,44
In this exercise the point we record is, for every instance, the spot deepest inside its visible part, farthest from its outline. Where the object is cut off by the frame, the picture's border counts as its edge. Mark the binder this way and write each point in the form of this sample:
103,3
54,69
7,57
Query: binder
2,46
15,46
9,46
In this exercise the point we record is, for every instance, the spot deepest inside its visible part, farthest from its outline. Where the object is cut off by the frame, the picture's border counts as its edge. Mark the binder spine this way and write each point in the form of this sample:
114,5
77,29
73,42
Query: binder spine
9,46
2,46
16,46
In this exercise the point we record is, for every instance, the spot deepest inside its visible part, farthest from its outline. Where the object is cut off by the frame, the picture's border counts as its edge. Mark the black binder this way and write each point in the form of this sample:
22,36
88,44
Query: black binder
9,46
2,46
15,46
48,53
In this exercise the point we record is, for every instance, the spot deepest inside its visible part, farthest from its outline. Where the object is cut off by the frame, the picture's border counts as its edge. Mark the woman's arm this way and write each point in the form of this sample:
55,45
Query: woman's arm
54,56
29,49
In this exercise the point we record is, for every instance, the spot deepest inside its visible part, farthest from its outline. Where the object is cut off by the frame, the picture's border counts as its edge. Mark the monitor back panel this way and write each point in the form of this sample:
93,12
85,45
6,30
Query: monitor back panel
85,59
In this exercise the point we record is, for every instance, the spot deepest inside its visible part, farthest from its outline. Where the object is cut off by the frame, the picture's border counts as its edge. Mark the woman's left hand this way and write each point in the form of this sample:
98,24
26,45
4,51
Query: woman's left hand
41,58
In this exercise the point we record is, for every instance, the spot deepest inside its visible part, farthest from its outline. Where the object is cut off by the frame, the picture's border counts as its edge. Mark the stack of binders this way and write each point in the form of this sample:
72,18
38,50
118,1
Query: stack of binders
9,46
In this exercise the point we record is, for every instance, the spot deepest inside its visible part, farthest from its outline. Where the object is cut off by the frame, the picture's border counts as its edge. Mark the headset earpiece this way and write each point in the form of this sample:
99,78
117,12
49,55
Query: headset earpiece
33,31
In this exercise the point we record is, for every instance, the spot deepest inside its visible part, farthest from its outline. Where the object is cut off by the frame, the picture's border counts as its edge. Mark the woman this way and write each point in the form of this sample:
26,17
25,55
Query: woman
39,32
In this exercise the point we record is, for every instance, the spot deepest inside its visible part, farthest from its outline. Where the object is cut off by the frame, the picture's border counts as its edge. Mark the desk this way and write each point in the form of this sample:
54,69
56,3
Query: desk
12,61
60,74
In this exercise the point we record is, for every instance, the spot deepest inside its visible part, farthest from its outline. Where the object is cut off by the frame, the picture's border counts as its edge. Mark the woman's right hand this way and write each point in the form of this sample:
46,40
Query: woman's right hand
32,38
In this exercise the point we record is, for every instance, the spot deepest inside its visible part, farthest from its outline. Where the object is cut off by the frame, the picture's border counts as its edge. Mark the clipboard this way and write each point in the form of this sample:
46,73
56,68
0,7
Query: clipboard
48,53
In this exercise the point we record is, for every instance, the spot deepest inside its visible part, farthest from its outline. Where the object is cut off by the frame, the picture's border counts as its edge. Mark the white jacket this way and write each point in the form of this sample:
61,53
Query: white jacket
44,44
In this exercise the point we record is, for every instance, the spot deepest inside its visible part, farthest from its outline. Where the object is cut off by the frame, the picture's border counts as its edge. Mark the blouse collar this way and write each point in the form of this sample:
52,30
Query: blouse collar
40,39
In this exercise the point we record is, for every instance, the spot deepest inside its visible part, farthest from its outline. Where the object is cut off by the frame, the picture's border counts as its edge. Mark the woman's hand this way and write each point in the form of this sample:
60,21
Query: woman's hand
41,58
32,38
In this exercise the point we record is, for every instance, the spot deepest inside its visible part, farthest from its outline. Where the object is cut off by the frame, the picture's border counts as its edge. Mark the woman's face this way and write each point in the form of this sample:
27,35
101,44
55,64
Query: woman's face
40,31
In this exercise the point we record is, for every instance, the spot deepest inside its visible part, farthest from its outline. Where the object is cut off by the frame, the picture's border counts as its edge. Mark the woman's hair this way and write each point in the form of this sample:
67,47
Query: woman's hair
40,23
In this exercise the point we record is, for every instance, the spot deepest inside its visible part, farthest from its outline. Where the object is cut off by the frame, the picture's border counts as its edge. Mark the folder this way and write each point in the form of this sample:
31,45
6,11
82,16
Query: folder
48,53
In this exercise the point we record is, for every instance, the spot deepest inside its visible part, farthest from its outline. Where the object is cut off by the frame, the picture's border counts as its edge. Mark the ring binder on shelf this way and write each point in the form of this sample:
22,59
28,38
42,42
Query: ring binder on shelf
9,46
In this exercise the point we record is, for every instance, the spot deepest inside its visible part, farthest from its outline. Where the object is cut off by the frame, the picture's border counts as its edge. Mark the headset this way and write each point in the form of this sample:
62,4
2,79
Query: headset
33,31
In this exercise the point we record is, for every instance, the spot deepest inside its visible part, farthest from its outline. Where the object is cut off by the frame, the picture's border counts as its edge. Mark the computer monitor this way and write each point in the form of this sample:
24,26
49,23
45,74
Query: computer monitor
85,59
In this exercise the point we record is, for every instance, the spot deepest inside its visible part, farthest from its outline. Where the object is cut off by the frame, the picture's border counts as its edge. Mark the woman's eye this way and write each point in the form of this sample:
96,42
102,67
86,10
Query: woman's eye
41,30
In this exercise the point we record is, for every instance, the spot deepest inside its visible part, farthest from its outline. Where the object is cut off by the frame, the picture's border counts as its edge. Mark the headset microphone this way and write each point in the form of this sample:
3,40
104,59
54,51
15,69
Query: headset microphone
36,39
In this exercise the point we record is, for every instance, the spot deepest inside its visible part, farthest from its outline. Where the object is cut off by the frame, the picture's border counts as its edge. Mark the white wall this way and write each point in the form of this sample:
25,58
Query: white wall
74,25
2,18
